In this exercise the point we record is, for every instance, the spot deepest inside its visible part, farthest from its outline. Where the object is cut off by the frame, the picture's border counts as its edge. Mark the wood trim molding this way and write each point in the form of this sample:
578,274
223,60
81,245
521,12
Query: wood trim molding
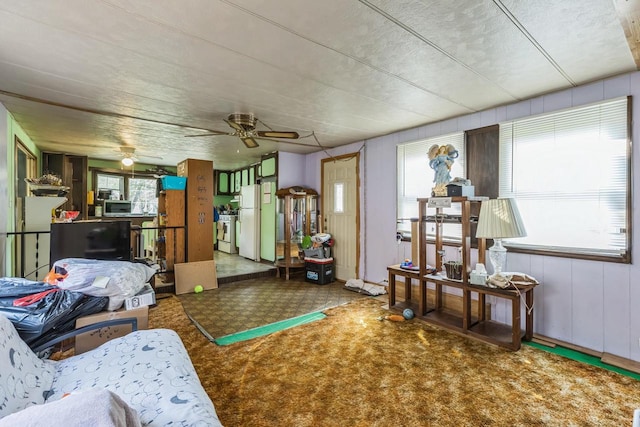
629,16
608,358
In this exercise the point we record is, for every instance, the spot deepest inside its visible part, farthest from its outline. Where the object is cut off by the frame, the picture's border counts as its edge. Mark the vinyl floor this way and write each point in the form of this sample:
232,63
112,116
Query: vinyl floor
239,305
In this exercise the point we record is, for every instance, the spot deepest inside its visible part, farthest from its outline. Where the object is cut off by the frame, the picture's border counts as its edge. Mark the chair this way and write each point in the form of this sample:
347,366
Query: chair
149,238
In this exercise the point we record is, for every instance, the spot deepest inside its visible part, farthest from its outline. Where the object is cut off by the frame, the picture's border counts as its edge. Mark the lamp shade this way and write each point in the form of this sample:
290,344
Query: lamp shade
500,218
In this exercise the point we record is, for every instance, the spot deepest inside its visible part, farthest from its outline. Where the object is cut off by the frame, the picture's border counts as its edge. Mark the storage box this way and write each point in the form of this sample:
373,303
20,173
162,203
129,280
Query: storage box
190,274
454,190
173,182
146,296
319,270
92,339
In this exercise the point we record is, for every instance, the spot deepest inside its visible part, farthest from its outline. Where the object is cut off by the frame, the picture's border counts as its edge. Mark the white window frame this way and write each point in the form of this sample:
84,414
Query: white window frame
581,206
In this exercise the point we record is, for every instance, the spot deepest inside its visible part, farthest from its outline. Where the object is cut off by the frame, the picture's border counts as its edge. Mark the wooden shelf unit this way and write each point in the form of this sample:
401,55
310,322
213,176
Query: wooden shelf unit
198,208
465,322
170,241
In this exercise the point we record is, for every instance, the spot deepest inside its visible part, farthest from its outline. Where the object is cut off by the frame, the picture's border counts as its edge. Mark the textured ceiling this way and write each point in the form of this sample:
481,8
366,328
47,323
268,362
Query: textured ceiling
89,76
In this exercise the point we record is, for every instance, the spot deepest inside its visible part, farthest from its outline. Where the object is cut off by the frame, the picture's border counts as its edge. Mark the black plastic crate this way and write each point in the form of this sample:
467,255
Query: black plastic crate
319,273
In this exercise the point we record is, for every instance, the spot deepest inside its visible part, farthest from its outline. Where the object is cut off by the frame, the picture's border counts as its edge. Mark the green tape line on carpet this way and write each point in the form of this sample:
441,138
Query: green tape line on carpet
582,357
269,329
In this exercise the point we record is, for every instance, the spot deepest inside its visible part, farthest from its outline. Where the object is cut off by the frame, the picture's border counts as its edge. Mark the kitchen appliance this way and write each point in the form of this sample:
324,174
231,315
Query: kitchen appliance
226,229
249,219
116,207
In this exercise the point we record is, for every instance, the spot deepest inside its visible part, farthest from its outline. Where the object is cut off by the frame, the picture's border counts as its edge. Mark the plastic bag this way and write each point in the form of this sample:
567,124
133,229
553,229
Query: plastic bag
53,314
123,278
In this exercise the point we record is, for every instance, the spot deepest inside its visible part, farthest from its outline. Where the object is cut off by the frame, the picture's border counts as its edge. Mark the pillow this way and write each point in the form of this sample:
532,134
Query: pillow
25,379
92,407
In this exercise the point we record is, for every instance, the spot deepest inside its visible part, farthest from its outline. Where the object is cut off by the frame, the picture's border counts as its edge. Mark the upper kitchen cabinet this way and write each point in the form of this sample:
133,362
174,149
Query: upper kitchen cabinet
268,166
73,170
223,182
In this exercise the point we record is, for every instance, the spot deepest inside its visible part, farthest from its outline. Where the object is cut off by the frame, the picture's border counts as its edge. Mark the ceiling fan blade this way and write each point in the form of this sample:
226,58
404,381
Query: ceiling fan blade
211,133
279,141
249,142
277,134
147,156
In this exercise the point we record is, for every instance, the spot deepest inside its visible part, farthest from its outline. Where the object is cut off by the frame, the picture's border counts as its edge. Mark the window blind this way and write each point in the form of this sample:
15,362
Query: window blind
570,174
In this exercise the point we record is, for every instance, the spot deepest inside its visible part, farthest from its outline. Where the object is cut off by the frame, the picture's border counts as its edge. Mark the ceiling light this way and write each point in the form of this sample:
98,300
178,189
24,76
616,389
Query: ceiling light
127,161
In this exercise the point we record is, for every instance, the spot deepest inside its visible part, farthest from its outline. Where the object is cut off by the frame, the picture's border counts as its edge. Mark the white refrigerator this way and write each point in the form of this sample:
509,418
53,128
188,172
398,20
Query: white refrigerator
249,219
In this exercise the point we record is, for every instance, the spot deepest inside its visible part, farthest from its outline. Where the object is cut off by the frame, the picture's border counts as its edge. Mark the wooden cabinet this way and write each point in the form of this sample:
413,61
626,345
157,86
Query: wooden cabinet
297,217
73,171
470,320
171,234
199,208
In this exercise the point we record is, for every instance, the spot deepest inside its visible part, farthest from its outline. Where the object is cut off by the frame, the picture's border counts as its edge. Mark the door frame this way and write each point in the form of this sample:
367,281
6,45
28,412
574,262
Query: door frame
349,156
31,171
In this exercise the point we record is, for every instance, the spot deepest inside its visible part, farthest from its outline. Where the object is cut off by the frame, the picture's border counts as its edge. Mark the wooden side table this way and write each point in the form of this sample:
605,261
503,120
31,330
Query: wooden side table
409,275
494,332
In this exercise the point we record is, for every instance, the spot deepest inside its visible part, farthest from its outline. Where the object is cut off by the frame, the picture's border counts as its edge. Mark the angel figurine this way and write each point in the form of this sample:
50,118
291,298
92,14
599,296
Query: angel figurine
440,160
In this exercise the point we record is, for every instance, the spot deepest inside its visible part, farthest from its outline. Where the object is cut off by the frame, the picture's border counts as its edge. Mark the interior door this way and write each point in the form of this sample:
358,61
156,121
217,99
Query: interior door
341,212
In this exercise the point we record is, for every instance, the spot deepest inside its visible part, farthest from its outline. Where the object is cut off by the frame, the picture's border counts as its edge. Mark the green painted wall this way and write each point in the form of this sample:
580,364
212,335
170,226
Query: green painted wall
268,223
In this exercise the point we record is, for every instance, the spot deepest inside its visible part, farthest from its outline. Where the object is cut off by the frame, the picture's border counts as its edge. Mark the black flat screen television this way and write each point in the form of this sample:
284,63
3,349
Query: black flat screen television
92,240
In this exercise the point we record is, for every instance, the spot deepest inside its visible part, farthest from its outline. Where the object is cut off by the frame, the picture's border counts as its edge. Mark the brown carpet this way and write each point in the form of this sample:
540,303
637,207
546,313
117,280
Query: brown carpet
240,306
351,369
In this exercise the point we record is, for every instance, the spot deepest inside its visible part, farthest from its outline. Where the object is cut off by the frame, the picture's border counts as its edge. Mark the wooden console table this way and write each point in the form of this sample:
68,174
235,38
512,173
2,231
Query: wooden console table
508,336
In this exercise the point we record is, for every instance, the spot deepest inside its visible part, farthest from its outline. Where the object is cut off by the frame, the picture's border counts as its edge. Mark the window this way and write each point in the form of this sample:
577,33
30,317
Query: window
140,190
114,183
570,174
142,193
415,177
338,197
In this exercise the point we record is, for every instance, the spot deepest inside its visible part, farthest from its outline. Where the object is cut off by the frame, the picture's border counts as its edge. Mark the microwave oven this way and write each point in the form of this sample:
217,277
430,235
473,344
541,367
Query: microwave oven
116,207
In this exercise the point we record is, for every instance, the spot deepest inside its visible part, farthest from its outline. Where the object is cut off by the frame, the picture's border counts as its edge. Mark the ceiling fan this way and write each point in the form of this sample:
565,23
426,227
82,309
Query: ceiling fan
129,157
244,127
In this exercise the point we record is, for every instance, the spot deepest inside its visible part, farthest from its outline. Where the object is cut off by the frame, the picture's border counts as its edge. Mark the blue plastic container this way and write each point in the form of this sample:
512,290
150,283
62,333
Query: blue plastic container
173,182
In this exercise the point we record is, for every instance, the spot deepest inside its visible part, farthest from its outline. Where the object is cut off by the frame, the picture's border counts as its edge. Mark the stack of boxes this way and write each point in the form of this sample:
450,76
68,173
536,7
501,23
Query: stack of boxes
136,306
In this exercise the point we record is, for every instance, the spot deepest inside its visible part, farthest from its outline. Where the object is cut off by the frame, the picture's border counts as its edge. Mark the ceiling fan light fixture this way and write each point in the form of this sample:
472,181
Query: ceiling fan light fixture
127,161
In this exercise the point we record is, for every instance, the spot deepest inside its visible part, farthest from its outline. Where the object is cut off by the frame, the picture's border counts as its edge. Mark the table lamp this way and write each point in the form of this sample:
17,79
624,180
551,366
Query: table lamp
499,219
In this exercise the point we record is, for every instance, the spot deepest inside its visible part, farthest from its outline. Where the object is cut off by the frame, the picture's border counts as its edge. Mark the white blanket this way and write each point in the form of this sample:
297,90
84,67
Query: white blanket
94,407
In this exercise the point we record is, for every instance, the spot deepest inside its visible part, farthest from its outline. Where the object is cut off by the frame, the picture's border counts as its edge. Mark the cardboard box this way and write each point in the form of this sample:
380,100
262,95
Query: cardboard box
190,274
92,339
146,296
